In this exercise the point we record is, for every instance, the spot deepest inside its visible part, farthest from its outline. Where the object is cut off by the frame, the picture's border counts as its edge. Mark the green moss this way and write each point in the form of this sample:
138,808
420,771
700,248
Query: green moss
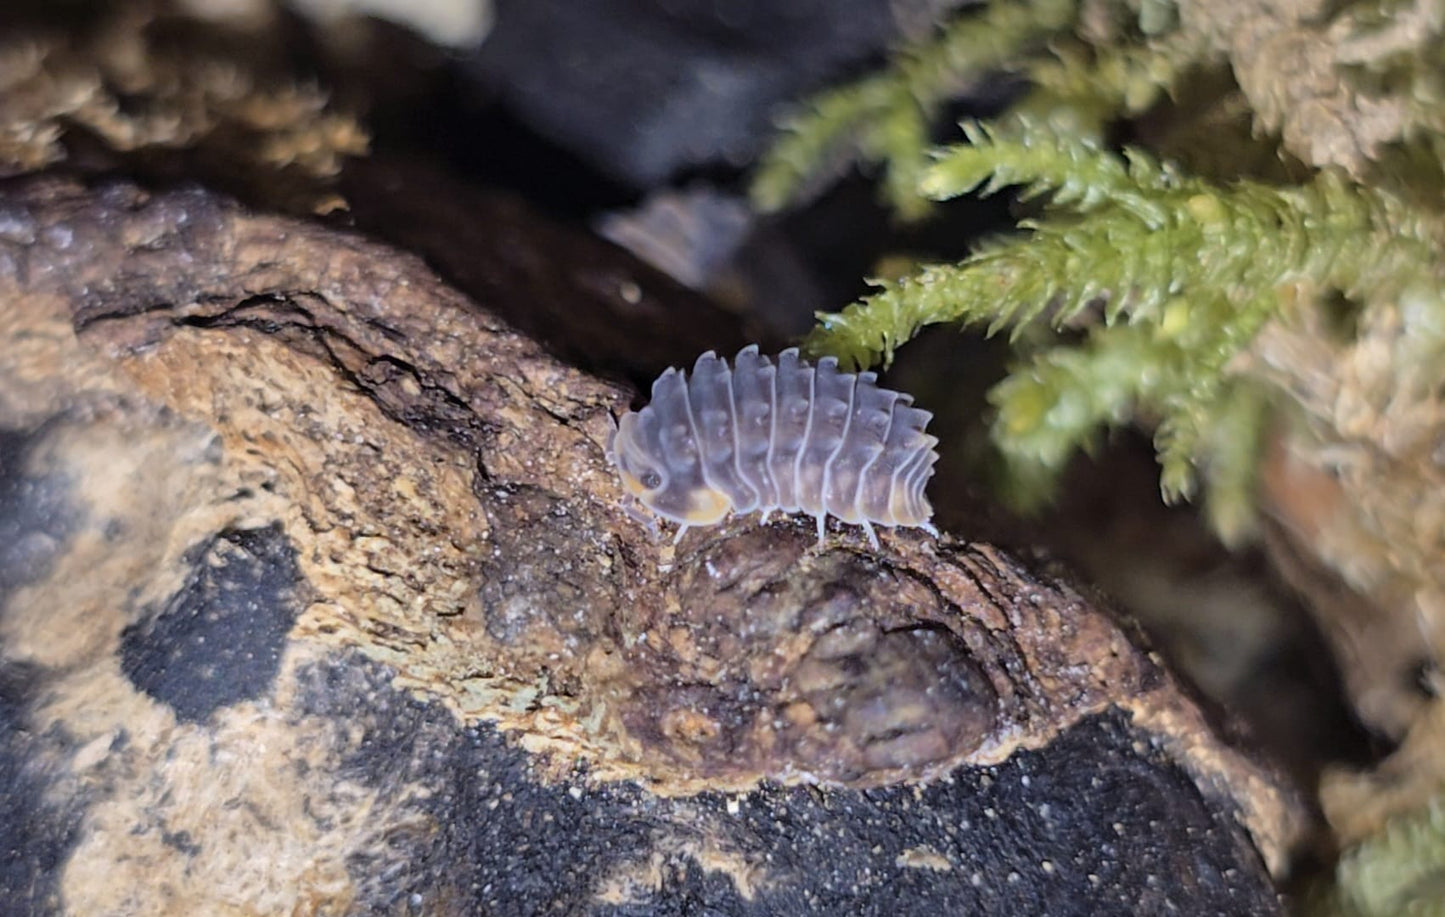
1161,277
1401,870
1170,276
887,118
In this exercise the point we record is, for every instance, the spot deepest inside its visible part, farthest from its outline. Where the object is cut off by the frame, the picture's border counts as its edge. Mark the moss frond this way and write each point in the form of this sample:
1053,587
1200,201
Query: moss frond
1231,452
1145,242
1400,871
1076,172
887,118
1181,273
1092,85
1054,402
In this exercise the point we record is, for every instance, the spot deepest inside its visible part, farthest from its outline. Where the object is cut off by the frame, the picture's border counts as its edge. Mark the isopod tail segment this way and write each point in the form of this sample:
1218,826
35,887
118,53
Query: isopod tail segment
764,435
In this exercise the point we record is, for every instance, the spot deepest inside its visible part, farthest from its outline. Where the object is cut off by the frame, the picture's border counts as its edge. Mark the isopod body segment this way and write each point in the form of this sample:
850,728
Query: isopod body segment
787,436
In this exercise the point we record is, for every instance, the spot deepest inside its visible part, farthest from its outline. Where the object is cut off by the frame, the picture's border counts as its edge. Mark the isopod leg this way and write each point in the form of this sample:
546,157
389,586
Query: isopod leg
681,531
872,535
822,521
633,508
929,528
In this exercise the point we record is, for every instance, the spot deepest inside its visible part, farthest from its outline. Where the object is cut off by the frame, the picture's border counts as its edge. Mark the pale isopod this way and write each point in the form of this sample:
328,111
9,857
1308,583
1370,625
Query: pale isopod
785,436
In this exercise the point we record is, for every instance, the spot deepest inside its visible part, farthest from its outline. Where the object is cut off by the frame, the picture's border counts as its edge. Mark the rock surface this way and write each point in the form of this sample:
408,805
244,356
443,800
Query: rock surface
318,596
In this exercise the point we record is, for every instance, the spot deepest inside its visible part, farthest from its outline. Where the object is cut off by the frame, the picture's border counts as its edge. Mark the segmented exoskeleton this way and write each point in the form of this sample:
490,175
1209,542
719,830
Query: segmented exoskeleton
785,436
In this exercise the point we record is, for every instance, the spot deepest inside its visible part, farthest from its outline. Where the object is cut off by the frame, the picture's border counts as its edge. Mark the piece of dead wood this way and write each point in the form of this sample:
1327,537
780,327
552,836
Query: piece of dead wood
319,597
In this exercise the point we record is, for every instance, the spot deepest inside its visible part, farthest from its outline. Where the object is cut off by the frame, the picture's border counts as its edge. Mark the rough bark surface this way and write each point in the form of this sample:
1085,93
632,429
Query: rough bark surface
318,596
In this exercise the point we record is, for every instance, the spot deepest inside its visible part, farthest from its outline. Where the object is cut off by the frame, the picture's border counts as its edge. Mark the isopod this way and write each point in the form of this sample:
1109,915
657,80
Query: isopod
785,436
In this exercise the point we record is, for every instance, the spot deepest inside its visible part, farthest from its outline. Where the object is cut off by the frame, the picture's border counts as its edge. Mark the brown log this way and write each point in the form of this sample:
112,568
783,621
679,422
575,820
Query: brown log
318,596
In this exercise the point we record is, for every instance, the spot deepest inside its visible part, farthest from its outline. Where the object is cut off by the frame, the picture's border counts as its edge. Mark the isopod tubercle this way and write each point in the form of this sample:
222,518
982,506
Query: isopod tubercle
785,436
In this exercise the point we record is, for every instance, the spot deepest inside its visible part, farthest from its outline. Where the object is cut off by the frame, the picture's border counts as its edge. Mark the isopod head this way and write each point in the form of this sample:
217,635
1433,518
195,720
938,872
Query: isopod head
679,497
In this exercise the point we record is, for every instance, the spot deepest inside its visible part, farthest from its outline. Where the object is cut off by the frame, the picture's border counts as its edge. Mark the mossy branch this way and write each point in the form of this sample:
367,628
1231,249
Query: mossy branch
886,118
1182,273
1132,234
1069,392
1075,172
